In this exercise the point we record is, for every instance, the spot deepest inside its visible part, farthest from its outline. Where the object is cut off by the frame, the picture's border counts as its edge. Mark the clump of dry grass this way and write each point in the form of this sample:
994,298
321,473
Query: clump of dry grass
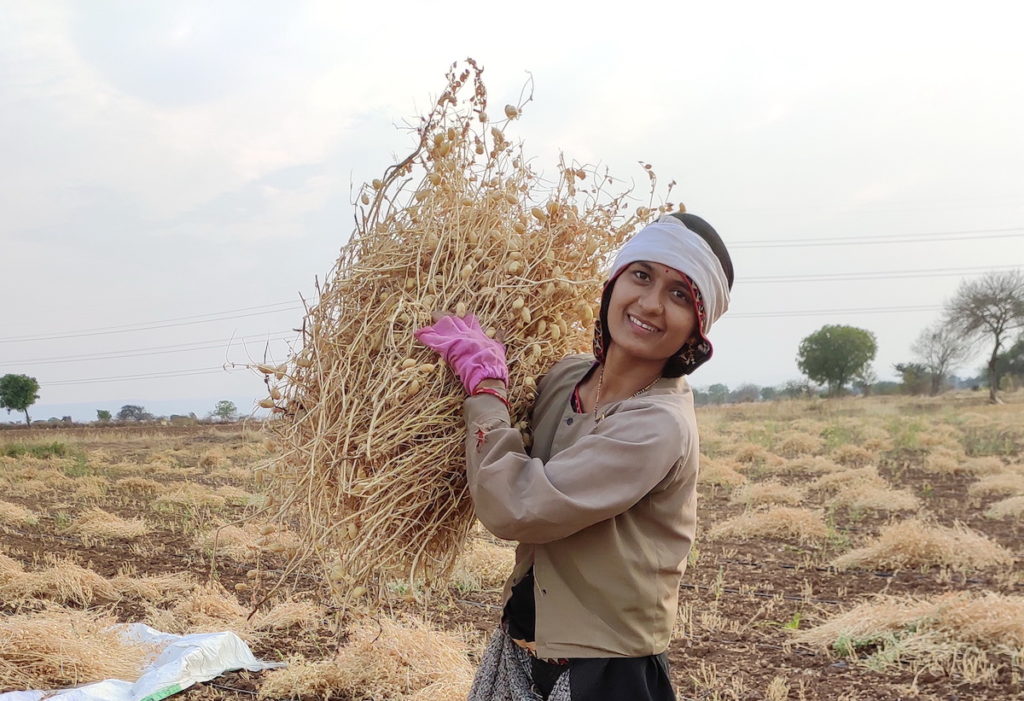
190,495
64,582
954,631
14,515
103,525
917,543
872,497
214,457
769,492
236,495
849,478
784,522
945,461
792,444
289,614
813,464
720,472
395,659
56,648
91,487
1011,506
247,542
985,465
138,485
369,449
206,609
751,453
1000,484
483,565
155,588
853,455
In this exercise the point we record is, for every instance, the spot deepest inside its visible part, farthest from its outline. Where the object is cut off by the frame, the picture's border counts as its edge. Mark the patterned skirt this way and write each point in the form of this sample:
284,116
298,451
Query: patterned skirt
505,674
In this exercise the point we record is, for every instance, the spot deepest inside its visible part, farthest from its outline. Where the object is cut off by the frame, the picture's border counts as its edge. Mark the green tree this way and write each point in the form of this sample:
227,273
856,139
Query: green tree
133,412
834,355
102,415
18,392
916,377
225,410
991,306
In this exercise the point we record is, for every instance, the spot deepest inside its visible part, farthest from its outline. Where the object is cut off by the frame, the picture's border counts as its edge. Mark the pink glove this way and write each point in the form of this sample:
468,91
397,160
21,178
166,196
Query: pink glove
472,355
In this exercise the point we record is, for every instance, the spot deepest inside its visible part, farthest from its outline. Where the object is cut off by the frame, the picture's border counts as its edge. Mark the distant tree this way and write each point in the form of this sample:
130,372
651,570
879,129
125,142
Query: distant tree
133,412
225,410
991,306
769,394
834,355
1011,363
885,387
745,393
103,416
794,389
915,377
18,392
941,348
718,393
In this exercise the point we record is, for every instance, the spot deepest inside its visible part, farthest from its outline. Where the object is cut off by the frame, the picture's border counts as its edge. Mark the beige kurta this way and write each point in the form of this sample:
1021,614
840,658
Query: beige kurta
604,511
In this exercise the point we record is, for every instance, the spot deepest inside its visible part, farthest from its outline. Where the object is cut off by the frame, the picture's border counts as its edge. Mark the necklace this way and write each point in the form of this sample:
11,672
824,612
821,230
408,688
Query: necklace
597,397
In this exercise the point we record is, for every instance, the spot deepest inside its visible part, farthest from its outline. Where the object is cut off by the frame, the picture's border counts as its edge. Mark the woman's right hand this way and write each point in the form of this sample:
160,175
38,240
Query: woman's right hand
468,350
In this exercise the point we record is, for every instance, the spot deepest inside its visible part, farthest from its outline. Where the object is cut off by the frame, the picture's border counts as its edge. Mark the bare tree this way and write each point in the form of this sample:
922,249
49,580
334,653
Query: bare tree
991,306
941,348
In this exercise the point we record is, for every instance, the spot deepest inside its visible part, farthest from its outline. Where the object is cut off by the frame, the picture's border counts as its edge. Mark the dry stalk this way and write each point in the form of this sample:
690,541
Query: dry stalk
369,462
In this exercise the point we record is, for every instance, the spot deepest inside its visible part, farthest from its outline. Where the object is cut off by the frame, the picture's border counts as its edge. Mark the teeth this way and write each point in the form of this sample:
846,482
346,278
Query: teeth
641,324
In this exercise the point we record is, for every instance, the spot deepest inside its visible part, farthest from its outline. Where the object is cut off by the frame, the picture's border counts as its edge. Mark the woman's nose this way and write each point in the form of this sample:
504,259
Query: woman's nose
650,301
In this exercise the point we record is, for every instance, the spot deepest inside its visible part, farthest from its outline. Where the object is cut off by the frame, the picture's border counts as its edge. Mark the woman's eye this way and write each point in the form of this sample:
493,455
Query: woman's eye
640,274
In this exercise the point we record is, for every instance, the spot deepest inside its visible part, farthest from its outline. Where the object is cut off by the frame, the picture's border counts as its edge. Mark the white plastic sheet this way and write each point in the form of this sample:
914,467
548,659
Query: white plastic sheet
183,660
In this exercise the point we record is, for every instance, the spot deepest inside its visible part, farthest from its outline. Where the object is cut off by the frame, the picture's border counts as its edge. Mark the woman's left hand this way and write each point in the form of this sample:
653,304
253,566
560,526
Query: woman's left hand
469,351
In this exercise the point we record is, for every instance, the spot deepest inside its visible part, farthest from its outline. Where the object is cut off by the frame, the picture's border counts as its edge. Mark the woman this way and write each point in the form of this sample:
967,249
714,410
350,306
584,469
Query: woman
604,503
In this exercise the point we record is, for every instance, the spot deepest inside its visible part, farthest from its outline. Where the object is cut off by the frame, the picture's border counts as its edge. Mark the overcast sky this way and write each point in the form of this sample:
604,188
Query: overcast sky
175,174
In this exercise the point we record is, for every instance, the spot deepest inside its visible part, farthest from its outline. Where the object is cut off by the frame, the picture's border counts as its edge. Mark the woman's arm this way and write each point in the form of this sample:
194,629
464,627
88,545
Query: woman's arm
601,475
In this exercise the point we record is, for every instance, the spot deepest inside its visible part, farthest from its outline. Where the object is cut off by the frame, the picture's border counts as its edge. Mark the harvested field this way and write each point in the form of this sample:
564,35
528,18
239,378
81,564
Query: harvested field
891,579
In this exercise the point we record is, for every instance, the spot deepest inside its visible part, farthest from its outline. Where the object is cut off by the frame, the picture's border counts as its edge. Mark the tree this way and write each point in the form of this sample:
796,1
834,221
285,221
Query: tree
941,349
769,394
1011,363
133,412
225,410
18,392
916,377
718,393
102,415
834,355
745,393
991,306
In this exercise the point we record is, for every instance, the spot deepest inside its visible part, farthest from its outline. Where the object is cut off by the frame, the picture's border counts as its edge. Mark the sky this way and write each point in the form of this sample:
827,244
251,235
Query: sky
176,175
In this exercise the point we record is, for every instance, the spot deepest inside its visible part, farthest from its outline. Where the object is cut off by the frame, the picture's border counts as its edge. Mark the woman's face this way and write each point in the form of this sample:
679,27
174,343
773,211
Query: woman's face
650,312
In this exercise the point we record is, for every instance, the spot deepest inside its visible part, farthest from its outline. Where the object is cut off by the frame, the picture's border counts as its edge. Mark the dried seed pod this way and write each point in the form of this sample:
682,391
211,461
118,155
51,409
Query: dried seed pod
426,367
535,350
514,267
275,393
365,199
519,227
434,178
276,547
460,309
555,333
552,208
542,326
357,592
303,361
242,587
377,184
408,363
252,574
539,213
265,369
491,332
267,403
526,315
511,112
280,371
352,530
518,303
268,529
466,271
413,388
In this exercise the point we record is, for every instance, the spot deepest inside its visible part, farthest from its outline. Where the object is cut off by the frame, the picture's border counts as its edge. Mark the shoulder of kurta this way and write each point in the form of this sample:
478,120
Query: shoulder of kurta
668,414
568,364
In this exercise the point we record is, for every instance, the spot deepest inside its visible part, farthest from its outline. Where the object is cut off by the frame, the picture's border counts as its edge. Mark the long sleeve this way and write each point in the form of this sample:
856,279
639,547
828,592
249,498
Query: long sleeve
600,474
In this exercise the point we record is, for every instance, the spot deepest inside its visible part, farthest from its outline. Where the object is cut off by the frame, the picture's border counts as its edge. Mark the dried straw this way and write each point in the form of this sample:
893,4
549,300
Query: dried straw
370,457
918,543
56,648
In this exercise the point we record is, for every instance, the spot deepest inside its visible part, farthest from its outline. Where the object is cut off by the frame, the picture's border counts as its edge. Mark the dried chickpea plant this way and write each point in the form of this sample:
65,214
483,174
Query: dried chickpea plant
368,462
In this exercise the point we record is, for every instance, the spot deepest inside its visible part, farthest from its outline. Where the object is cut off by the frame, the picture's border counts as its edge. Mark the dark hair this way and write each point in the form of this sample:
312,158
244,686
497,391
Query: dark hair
708,233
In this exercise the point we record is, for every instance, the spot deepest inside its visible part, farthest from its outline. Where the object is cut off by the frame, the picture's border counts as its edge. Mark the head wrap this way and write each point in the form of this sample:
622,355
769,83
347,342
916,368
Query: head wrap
670,242
690,245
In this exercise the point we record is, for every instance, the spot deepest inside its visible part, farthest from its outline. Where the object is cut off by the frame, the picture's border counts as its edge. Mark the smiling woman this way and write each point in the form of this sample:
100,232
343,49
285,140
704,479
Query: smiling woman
603,503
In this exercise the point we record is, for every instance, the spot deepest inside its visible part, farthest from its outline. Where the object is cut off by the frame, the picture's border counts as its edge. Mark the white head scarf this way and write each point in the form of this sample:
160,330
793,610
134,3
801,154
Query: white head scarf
668,241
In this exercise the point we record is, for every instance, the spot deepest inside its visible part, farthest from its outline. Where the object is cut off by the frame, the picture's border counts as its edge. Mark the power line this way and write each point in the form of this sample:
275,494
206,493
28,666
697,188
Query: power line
826,312
143,352
144,376
878,275
54,337
928,237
